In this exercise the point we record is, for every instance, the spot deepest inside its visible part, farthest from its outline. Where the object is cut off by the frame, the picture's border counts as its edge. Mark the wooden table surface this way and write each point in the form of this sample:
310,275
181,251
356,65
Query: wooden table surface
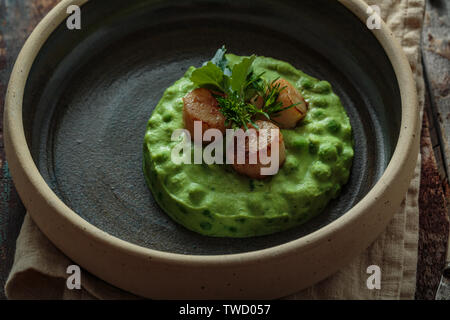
19,17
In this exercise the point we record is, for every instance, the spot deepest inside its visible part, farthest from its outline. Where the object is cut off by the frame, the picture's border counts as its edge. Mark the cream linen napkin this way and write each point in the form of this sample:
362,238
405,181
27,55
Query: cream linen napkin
39,270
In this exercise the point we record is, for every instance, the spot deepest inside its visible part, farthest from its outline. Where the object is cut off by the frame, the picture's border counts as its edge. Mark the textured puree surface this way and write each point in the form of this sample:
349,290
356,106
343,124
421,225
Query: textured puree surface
216,201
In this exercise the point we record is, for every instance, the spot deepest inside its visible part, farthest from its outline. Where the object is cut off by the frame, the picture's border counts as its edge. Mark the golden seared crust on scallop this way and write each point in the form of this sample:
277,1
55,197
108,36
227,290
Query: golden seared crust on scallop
289,118
253,149
257,101
200,105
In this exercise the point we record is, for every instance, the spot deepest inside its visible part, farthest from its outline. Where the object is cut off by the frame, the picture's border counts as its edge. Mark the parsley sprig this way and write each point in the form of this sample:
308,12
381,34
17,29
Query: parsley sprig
239,85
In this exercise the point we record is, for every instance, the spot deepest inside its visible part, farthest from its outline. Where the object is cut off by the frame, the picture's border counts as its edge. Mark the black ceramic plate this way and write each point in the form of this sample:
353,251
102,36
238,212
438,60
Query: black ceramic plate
91,92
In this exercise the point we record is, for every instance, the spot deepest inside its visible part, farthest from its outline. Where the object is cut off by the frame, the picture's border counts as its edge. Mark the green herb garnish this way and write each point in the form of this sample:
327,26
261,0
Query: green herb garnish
221,61
211,76
239,79
270,91
239,85
237,112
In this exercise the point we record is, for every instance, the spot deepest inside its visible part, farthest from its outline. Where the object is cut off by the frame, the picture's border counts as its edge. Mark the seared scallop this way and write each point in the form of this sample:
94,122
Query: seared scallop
289,95
200,105
257,101
254,153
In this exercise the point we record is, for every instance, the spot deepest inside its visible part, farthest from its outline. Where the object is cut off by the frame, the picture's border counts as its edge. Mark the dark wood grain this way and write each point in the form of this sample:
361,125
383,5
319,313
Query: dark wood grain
433,221
434,191
436,57
11,213
17,20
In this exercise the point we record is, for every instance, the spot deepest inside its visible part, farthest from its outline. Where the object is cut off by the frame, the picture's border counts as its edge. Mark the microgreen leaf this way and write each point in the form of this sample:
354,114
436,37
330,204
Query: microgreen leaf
209,75
236,111
240,74
221,61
